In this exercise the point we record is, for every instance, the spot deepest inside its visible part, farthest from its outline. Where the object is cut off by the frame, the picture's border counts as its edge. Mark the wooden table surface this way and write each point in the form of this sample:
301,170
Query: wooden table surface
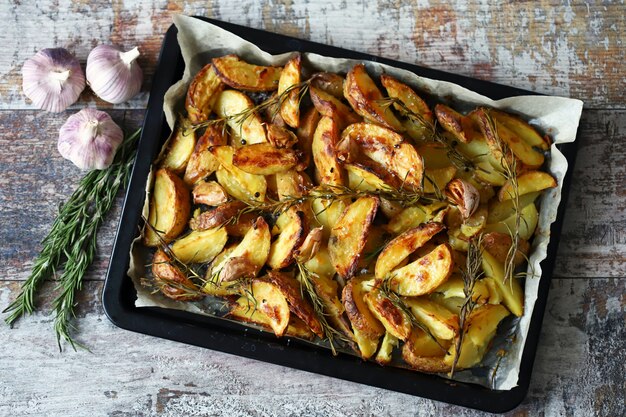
546,46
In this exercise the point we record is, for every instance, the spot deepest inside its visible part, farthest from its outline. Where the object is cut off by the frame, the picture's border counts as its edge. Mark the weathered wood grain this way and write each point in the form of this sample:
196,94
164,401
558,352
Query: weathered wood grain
131,374
35,179
547,46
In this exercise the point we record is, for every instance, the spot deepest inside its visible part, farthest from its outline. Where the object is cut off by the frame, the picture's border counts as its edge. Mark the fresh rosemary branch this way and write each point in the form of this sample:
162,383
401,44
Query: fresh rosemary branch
472,273
71,243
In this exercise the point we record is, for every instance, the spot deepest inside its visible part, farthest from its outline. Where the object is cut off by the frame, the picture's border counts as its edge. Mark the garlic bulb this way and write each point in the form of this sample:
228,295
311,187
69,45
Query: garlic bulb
114,75
90,139
53,79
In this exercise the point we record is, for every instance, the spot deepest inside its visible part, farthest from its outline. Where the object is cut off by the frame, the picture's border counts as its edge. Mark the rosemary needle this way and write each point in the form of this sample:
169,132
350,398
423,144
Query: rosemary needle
71,242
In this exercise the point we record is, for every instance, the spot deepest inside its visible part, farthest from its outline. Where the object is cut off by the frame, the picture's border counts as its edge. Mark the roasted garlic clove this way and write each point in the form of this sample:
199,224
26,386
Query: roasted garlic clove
464,195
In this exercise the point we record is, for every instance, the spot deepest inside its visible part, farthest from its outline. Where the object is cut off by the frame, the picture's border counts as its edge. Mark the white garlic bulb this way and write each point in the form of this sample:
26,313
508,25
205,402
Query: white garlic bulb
53,79
90,139
114,76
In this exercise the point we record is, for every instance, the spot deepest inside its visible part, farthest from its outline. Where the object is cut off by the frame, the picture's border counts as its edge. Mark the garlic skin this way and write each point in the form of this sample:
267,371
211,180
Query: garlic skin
114,76
90,139
53,79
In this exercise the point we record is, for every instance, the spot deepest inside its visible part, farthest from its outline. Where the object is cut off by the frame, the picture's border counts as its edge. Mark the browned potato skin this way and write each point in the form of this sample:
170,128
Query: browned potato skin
425,274
305,132
364,97
415,355
217,217
264,159
462,127
407,96
330,106
290,288
202,163
358,313
284,248
328,82
290,76
209,193
392,318
403,245
178,200
165,272
202,93
241,75
388,177
328,170
498,245
349,235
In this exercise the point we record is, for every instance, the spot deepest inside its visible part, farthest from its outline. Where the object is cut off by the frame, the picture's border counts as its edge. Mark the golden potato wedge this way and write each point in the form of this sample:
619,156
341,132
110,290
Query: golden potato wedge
264,159
289,78
202,94
366,328
298,328
235,107
499,244
407,96
320,264
390,150
442,323
395,321
365,98
305,133
403,245
328,82
348,235
281,137
423,353
290,225
170,205
424,275
327,289
268,300
481,328
202,163
501,210
179,150
511,291
254,186
372,174
475,223
327,167
527,182
213,285
414,216
290,287
385,351
327,213
453,288
290,184
172,282
209,193
435,180
330,106
434,154
200,246
522,129
216,217
235,72
461,127
241,224
529,217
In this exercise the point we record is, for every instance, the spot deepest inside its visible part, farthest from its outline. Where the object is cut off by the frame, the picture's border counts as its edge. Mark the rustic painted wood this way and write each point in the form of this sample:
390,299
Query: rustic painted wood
552,47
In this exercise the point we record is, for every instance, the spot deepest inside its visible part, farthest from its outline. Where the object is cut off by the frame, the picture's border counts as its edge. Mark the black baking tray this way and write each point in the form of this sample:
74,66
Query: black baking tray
119,294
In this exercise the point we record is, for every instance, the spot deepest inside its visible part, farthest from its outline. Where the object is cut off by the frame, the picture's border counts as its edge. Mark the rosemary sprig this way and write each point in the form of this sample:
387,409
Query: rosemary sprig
385,290
472,273
305,277
458,159
71,243
273,104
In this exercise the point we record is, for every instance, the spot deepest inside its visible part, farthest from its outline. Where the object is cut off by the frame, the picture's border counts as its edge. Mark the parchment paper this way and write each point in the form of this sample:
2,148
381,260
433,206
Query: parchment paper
557,116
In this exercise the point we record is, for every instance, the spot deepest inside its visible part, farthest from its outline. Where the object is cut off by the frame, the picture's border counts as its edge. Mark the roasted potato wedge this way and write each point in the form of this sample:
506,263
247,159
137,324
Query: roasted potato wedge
172,282
435,180
499,244
200,246
290,79
529,217
453,288
442,323
291,229
202,163
527,182
390,150
502,210
209,193
330,106
328,82
320,264
202,94
385,350
419,125
424,275
511,290
327,289
239,74
310,245
267,299
290,288
365,98
327,167
179,150
328,213
367,329
305,132
348,235
395,321
461,127
237,109
264,159
170,206
370,173
290,184
254,186
415,215
403,245
216,217
423,353
522,129
481,328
